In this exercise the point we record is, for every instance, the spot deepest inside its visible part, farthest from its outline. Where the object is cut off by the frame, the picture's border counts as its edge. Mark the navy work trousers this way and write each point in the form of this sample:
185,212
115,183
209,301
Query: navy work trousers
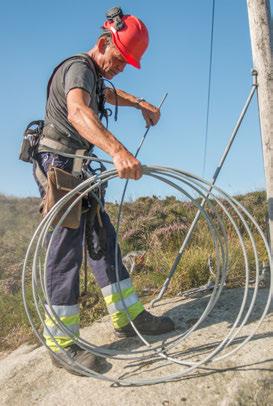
66,250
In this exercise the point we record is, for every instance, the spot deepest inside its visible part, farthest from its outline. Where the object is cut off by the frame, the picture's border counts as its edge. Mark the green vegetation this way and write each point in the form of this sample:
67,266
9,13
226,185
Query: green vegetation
155,226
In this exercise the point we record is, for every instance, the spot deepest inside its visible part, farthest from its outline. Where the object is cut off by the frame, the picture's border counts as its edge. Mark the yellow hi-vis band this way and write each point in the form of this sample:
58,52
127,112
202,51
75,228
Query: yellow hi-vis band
63,342
120,319
118,297
66,320
70,317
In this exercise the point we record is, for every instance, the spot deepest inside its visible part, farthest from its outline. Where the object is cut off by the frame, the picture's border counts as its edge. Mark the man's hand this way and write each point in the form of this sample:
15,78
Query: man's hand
127,165
150,113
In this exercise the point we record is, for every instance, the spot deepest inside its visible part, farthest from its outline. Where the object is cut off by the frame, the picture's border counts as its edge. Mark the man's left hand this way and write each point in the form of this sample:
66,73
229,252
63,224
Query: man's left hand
150,113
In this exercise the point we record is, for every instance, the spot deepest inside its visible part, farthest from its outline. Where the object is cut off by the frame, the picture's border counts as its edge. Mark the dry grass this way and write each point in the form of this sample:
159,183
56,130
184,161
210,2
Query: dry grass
157,226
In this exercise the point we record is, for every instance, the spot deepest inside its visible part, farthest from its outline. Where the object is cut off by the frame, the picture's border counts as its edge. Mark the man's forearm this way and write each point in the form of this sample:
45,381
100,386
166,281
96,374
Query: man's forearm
88,125
124,99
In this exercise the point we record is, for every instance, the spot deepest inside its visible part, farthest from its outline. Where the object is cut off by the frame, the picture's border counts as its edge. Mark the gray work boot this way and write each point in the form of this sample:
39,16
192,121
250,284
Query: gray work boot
79,355
147,324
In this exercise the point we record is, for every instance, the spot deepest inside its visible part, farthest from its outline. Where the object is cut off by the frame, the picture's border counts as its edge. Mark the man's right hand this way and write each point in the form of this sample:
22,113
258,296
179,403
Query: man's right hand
127,165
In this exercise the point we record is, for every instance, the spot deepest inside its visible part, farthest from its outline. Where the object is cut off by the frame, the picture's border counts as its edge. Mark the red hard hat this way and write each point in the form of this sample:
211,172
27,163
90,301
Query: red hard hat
132,40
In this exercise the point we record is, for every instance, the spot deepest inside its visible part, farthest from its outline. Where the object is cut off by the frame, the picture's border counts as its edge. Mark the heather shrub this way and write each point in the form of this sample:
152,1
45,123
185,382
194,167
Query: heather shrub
151,225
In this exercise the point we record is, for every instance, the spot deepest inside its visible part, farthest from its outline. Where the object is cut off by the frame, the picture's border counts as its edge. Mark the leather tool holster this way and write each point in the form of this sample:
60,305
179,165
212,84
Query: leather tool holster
59,183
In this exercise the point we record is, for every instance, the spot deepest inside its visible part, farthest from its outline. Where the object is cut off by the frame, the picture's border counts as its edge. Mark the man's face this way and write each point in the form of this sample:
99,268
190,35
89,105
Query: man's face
112,62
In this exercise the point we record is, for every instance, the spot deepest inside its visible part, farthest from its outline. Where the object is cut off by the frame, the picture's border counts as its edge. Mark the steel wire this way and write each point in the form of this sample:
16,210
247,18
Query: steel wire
189,186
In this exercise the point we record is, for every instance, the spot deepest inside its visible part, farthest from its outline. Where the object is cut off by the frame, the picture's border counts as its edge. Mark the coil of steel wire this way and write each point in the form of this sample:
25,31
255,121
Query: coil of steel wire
219,210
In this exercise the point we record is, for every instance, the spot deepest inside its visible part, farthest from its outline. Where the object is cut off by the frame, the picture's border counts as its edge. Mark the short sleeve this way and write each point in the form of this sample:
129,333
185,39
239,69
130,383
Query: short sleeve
79,75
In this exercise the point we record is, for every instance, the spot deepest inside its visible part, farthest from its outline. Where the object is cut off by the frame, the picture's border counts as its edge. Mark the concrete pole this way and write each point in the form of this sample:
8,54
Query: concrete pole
261,42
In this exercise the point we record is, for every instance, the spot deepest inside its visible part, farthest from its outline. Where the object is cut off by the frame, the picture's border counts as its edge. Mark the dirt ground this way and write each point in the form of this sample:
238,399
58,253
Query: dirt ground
27,376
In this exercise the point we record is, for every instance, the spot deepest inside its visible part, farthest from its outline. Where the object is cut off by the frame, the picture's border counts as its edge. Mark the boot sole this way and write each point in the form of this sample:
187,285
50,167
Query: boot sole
59,365
120,334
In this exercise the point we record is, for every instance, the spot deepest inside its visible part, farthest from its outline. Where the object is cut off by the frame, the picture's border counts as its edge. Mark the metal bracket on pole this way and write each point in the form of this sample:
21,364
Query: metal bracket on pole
254,77
215,176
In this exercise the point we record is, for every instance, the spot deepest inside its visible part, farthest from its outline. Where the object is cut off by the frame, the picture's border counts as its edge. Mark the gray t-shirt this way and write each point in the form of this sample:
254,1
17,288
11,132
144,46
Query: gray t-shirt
74,73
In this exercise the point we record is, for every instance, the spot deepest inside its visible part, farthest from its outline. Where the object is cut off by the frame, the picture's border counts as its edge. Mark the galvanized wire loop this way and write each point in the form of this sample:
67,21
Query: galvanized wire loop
220,208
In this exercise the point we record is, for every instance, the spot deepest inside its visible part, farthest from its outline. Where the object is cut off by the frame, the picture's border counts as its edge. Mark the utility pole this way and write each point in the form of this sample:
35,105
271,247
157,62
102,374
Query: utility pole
261,42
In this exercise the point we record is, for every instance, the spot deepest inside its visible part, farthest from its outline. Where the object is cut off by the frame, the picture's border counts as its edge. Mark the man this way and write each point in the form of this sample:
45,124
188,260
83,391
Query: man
75,97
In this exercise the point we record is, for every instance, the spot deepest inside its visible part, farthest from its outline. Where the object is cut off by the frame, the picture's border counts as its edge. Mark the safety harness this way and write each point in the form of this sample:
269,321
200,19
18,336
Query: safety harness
52,138
39,137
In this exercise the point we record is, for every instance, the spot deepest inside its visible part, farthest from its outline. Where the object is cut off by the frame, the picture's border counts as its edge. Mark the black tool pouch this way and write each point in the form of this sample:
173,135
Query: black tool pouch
31,140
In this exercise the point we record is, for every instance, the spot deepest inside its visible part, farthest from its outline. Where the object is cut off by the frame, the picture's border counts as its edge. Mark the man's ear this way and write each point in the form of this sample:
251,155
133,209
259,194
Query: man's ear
102,44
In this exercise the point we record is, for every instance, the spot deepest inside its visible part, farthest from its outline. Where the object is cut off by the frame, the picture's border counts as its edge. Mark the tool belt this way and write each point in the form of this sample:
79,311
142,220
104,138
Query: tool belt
44,138
59,182
52,138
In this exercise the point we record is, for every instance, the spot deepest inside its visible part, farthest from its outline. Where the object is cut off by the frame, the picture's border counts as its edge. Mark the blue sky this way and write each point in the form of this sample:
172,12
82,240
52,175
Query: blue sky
37,35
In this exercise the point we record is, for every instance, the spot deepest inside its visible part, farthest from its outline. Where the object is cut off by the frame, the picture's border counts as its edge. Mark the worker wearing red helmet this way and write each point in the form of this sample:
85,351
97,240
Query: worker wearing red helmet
132,39
75,107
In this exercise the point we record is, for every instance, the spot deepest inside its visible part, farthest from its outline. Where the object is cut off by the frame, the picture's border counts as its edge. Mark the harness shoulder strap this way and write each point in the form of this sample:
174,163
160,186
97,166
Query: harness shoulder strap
84,57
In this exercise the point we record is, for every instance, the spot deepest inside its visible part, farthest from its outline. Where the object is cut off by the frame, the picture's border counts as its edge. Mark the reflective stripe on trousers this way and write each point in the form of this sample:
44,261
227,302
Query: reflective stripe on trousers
70,317
115,296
